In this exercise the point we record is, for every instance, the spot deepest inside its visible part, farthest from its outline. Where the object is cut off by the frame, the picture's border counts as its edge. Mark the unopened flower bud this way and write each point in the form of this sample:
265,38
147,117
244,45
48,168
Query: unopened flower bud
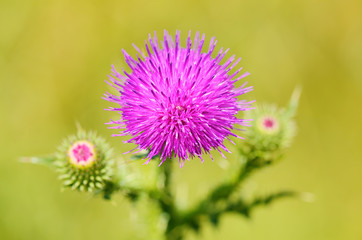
271,132
84,161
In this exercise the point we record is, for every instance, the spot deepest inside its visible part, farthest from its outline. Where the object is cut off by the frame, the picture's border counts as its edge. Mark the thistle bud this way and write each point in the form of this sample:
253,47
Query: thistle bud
272,130
84,161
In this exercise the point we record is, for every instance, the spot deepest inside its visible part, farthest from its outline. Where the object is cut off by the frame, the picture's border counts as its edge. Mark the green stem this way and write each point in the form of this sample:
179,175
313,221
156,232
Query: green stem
209,207
167,204
167,169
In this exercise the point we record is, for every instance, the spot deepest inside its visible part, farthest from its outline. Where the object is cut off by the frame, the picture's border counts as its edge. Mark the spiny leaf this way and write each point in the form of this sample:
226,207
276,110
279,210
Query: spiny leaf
47,161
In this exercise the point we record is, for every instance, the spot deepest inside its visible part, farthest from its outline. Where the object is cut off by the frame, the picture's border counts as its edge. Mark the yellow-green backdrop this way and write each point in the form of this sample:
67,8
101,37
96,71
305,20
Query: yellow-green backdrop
54,56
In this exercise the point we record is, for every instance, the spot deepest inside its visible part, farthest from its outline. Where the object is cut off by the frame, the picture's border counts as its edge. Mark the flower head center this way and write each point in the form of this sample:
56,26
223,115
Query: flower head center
82,153
269,124
179,114
180,108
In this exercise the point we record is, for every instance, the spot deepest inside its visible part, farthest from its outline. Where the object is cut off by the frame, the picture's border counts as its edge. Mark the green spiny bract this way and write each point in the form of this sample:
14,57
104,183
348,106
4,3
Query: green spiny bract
84,162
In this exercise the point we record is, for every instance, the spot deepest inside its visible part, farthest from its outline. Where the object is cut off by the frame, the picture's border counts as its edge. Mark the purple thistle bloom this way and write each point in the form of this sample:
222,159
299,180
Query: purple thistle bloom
178,101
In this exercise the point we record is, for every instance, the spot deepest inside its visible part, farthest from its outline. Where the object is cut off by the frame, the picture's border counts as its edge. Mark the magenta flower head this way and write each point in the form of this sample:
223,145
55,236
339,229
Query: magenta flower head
178,101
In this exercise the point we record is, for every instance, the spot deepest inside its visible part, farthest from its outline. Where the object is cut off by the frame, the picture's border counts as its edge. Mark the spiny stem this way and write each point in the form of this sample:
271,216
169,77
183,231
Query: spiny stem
221,192
213,206
167,203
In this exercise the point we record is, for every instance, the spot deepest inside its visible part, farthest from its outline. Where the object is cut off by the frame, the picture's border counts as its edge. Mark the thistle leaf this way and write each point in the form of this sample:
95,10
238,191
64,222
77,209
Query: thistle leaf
46,161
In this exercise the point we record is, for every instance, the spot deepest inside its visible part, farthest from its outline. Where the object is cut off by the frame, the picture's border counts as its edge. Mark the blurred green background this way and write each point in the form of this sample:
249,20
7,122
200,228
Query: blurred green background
54,56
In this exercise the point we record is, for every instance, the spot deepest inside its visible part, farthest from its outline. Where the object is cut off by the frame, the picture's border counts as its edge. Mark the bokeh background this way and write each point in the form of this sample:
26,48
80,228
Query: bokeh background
54,56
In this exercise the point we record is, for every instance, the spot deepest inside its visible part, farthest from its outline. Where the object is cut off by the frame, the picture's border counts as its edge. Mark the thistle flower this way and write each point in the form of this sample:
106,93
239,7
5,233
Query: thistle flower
178,102
84,161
